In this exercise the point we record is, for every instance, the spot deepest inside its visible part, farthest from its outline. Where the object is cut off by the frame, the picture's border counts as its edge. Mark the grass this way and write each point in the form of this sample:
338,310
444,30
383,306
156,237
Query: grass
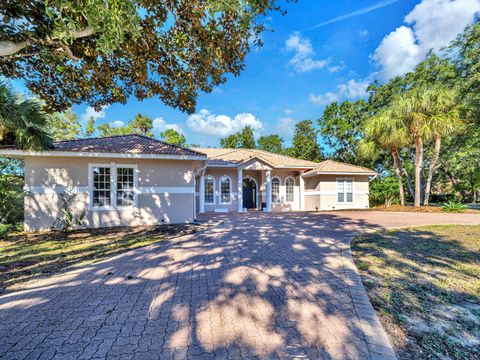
424,283
427,209
24,257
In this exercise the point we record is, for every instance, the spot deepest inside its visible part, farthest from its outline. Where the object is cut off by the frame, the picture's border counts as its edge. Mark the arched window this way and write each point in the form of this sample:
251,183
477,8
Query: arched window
289,188
275,190
209,190
225,190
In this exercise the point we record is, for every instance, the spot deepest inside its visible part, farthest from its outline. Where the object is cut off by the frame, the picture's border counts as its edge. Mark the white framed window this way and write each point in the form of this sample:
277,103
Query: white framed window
112,186
209,190
275,190
125,186
344,190
289,189
102,186
225,190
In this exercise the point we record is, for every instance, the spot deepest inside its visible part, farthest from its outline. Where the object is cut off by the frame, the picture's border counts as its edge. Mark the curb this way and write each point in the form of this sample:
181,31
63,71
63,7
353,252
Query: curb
376,338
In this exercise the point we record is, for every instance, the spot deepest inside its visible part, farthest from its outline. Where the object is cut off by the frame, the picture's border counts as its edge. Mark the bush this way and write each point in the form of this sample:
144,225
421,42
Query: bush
441,198
5,229
453,206
384,191
11,199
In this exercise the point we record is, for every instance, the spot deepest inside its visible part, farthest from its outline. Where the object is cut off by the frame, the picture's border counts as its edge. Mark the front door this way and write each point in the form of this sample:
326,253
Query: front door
249,194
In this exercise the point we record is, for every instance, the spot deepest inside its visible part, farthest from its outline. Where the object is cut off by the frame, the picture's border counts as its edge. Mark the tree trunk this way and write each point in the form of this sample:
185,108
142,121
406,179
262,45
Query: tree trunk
398,171
431,169
418,170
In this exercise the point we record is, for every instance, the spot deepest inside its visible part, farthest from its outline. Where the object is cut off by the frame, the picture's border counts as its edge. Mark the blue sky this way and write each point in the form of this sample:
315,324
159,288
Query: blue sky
320,51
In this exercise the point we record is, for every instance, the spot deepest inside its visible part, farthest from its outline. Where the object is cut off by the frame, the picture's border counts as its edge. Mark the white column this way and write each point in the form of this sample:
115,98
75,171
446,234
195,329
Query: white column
239,190
302,192
268,185
201,209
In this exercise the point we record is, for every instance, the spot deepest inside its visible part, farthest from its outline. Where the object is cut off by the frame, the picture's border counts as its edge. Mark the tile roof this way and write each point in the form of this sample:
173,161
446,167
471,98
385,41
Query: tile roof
331,166
219,157
123,144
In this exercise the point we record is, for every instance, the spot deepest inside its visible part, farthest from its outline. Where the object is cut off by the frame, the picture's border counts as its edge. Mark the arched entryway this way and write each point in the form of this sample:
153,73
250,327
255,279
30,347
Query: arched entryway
249,194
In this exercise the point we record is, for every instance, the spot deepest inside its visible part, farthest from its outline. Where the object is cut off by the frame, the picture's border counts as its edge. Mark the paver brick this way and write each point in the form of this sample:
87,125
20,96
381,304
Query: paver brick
260,286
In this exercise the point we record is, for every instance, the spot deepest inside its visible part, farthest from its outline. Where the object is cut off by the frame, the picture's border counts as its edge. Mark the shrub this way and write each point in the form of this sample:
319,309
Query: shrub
5,229
11,198
454,206
67,219
384,191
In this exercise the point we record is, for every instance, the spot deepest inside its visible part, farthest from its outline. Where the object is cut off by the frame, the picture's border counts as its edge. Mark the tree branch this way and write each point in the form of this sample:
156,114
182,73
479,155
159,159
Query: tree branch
8,48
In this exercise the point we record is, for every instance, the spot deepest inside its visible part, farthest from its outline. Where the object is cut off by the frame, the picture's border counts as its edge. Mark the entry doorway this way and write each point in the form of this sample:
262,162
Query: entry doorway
249,194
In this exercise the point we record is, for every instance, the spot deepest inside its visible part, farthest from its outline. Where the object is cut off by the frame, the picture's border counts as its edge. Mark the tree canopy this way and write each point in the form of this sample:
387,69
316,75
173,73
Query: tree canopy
102,52
304,142
172,136
272,143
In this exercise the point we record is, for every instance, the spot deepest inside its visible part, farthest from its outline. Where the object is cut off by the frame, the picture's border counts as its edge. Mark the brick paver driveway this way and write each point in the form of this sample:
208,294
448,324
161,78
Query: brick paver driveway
261,285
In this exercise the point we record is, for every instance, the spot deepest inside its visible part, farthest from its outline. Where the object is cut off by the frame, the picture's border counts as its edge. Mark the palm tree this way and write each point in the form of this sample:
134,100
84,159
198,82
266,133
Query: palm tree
426,114
22,121
380,133
443,120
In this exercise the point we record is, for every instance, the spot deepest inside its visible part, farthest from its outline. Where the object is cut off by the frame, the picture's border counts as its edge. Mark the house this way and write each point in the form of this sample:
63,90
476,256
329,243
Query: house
131,180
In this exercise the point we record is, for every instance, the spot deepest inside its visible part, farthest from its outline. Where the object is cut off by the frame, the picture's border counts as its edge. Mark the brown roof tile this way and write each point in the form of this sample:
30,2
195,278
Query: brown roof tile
123,144
217,156
331,166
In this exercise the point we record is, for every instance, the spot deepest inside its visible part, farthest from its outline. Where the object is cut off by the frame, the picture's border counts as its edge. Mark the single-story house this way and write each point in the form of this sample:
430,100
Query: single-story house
131,180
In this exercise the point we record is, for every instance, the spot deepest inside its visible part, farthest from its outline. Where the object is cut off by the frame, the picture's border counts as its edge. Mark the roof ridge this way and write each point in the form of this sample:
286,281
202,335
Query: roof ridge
343,163
128,135
282,155
94,138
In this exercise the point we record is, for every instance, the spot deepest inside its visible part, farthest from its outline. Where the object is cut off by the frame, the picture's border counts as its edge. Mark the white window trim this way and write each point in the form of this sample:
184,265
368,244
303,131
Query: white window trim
220,190
344,191
279,200
213,179
285,184
113,187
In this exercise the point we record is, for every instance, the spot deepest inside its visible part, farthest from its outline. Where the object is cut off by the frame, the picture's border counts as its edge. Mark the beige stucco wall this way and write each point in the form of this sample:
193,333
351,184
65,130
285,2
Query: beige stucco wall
165,192
259,177
217,174
321,192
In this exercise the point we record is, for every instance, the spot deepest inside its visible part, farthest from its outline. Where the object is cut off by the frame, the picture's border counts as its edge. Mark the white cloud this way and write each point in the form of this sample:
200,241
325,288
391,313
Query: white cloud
432,24
90,112
288,111
350,90
117,123
285,127
205,122
160,125
303,60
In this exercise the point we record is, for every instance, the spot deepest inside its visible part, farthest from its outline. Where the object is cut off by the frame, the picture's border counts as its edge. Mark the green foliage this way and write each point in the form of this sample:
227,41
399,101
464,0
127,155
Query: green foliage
172,136
246,139
230,142
22,121
11,194
272,143
64,126
241,140
304,143
139,125
90,128
104,51
454,206
341,127
384,191
5,229
67,217
143,124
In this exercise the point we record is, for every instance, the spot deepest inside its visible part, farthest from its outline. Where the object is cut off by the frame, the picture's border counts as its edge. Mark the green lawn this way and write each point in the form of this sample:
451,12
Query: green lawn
26,256
424,283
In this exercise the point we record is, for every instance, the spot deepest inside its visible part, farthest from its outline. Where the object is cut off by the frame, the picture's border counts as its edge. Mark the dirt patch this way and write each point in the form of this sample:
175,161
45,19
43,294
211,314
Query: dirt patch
424,284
